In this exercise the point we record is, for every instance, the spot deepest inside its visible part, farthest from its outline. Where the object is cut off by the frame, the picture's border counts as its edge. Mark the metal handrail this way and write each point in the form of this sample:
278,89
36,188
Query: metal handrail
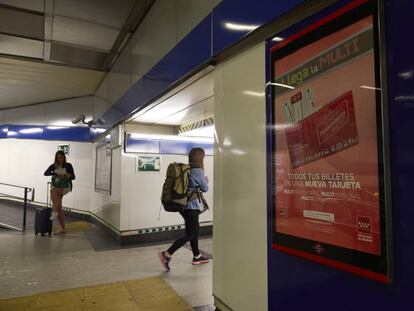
16,186
26,191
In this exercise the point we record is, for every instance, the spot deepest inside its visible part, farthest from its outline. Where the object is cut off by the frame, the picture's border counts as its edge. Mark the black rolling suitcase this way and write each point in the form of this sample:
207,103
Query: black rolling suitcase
42,222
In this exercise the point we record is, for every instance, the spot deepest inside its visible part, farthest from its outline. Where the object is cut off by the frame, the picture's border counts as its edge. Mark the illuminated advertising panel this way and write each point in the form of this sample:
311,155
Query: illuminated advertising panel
327,148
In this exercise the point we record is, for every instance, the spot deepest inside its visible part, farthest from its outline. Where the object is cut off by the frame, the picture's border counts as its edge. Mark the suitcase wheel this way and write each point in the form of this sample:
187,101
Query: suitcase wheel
42,234
50,233
36,233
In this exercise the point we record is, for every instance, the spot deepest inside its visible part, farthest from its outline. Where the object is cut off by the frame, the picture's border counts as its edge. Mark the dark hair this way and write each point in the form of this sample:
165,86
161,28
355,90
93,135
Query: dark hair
196,157
60,152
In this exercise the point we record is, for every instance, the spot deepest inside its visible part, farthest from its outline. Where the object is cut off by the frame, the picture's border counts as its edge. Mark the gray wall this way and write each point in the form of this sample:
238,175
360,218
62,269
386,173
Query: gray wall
166,24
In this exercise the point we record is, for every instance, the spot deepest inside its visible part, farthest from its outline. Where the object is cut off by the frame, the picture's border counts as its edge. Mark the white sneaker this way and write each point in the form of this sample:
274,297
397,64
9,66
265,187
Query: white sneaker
60,230
54,216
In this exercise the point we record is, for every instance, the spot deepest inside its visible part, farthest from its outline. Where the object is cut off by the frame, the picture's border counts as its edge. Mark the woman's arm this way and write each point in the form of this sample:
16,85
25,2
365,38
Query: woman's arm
50,170
70,171
200,179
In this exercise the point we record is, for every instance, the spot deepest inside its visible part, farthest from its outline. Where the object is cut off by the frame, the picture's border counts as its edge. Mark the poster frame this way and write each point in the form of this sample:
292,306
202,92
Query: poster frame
343,17
108,149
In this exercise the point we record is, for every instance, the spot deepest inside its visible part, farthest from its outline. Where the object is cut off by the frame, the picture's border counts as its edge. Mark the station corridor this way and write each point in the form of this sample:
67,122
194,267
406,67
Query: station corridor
85,257
206,155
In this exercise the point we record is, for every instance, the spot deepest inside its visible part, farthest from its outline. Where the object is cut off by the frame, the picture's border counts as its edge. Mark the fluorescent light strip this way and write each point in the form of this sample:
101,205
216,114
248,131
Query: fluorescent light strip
201,132
240,27
171,137
56,127
31,130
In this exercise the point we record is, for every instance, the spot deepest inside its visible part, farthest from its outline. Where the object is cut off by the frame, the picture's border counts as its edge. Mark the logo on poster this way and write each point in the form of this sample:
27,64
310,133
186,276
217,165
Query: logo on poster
333,123
364,224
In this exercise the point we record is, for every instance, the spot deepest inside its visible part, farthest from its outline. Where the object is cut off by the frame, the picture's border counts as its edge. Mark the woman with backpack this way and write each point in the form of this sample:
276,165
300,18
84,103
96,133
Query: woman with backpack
62,175
197,182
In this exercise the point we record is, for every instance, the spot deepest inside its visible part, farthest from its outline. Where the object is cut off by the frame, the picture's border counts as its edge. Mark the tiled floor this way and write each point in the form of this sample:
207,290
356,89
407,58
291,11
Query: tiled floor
31,265
133,295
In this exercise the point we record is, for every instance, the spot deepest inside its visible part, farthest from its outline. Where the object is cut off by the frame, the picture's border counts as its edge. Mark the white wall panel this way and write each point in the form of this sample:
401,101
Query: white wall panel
141,193
240,183
23,162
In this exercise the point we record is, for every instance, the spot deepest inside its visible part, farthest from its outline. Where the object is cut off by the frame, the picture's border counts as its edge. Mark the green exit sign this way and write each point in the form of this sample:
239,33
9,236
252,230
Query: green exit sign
64,148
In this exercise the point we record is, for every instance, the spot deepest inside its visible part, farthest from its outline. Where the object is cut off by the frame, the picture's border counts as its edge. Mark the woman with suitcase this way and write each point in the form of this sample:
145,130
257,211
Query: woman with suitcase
62,175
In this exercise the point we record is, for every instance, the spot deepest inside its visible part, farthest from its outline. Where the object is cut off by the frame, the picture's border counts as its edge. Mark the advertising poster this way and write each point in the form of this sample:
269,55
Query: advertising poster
326,178
148,163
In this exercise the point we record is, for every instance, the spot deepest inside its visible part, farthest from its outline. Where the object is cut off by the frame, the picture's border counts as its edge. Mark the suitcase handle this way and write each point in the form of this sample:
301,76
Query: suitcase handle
48,193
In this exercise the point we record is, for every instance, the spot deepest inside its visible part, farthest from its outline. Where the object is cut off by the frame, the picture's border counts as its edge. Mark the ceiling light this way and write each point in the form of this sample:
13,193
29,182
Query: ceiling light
277,39
56,127
240,27
11,133
31,130
206,131
171,137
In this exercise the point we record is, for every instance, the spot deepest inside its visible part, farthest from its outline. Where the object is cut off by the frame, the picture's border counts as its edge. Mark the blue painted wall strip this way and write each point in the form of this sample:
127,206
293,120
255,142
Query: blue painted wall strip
80,134
206,40
153,146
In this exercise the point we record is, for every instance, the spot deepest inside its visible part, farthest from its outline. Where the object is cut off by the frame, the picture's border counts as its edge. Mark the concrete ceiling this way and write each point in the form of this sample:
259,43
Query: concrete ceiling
25,82
189,102
82,33
57,49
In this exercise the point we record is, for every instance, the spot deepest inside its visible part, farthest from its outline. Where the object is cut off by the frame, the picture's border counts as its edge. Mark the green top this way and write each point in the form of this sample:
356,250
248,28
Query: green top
60,182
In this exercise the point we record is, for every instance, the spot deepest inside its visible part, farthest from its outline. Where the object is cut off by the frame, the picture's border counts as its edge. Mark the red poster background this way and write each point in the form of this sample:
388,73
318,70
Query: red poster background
355,215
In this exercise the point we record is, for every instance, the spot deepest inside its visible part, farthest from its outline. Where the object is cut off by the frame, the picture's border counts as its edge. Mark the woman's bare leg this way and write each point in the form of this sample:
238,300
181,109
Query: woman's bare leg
54,195
60,209
61,218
